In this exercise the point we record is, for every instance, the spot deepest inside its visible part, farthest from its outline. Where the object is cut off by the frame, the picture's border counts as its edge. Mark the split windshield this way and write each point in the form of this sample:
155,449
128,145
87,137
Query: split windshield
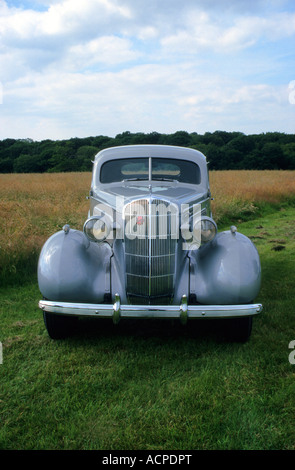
161,169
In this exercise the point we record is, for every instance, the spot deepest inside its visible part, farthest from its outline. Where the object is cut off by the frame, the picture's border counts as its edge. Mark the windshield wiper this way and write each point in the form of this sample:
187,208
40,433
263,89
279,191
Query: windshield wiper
135,179
164,179
146,179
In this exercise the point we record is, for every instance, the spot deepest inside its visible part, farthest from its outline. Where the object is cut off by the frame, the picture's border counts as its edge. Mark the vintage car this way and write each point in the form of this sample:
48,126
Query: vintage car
149,248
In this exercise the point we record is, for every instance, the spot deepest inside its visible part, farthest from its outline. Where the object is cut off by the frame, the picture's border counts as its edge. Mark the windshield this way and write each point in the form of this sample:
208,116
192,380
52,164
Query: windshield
132,169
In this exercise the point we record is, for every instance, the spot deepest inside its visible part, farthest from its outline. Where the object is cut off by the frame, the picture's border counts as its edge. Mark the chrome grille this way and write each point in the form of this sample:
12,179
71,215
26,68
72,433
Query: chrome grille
150,243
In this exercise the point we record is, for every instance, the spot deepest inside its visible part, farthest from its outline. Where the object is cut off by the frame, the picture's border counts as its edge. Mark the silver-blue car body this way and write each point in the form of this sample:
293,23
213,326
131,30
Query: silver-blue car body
149,248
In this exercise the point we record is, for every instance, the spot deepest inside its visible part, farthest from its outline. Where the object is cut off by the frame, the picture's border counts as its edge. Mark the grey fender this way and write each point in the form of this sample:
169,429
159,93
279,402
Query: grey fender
73,269
226,270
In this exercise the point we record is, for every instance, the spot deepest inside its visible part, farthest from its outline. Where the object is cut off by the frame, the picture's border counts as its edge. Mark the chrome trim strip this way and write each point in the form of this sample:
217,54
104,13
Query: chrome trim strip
182,312
150,244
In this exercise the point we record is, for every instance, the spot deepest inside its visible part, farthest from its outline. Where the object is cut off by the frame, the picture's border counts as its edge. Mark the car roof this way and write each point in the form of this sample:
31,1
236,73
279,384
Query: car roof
164,151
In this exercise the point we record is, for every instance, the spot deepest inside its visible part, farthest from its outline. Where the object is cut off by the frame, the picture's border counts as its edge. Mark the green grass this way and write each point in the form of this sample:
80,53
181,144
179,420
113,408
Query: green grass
154,385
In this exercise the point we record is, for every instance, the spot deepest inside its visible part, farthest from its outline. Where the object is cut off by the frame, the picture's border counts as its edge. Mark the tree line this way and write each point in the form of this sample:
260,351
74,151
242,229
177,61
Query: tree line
224,150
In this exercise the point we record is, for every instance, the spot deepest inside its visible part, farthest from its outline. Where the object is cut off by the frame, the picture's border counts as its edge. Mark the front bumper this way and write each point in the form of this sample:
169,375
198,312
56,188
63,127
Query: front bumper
183,312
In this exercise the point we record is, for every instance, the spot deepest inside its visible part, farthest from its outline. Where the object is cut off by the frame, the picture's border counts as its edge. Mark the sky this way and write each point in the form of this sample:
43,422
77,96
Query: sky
73,68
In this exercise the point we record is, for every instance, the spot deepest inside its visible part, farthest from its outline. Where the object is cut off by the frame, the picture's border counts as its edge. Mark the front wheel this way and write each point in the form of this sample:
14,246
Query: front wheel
59,326
238,329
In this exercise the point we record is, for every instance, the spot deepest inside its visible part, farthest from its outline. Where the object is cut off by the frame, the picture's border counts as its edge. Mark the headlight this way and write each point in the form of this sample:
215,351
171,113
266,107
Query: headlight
206,229
97,229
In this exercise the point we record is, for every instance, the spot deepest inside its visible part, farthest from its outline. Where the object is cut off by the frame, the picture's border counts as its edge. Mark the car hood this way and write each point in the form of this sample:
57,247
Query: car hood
175,192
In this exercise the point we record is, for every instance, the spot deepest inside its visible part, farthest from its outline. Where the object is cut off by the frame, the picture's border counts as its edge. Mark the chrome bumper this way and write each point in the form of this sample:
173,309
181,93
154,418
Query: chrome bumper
183,312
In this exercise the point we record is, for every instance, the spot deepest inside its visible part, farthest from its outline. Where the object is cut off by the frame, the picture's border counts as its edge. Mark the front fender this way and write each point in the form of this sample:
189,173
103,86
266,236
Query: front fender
73,269
226,270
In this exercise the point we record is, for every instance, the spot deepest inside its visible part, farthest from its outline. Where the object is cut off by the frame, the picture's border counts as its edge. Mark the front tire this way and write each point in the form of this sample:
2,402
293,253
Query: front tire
238,330
59,326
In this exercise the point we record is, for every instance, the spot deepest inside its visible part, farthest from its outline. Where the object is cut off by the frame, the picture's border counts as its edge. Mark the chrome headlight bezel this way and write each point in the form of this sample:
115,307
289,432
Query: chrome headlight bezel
97,228
207,231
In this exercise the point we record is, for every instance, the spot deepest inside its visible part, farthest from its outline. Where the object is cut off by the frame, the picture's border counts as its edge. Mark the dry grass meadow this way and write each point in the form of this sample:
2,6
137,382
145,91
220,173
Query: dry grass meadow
34,206
242,193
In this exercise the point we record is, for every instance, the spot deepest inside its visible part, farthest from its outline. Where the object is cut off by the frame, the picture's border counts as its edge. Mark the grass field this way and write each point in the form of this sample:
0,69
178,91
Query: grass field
146,385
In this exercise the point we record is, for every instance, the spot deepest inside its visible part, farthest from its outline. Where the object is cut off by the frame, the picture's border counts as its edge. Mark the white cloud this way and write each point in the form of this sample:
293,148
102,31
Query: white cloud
73,68
73,15
64,19
68,35
202,31
108,50
143,98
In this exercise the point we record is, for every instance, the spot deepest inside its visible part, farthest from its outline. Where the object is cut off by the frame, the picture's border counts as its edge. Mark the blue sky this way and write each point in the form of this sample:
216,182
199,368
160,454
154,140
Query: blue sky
72,68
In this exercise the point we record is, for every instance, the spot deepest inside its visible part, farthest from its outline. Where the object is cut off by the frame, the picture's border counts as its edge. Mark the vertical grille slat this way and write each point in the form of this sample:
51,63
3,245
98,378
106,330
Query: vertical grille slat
150,247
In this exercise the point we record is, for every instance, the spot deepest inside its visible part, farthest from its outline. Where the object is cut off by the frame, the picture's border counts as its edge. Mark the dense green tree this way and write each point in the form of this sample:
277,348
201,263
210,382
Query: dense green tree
26,164
153,138
85,156
6,165
180,138
289,155
224,150
272,156
223,135
243,144
100,142
215,157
